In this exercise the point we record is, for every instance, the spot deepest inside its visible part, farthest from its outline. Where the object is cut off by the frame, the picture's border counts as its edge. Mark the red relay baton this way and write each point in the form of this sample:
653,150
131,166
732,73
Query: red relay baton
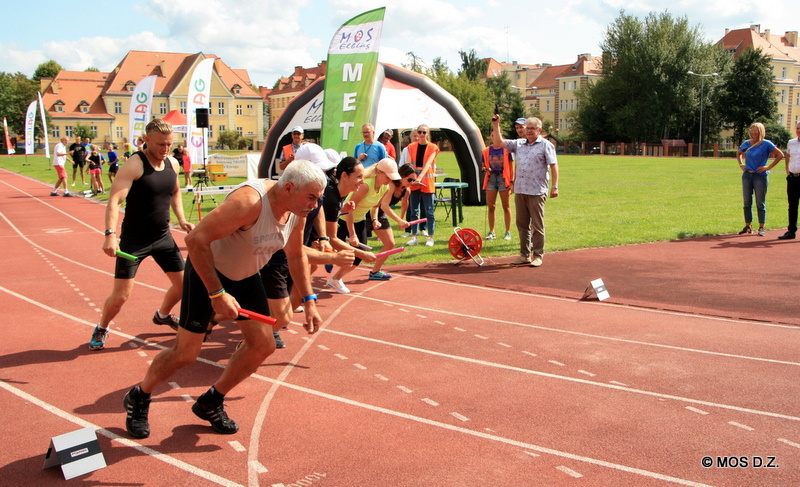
387,253
257,316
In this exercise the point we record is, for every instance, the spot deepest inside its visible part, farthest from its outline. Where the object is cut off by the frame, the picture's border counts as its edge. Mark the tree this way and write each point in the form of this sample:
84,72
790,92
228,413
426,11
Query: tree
748,94
16,93
232,139
508,103
472,67
642,94
416,65
48,69
84,132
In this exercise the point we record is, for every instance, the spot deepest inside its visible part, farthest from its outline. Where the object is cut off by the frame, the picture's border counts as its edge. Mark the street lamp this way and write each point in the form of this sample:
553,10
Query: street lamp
702,83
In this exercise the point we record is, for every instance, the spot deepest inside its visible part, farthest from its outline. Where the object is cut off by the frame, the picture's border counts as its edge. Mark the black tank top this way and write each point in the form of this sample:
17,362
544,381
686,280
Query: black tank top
147,205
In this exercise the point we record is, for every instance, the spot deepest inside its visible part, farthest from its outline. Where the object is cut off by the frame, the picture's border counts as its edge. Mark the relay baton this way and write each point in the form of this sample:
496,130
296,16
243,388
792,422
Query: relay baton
414,222
256,316
130,257
364,246
387,253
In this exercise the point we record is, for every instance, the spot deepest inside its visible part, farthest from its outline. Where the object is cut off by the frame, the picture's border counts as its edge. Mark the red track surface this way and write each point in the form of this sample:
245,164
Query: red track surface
445,375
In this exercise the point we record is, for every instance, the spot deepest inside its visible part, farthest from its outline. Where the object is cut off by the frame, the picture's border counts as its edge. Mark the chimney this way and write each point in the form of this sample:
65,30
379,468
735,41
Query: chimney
727,31
766,34
163,65
791,37
756,27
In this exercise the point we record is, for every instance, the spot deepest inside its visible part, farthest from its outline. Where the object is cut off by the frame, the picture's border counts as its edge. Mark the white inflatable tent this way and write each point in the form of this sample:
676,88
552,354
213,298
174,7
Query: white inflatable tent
404,99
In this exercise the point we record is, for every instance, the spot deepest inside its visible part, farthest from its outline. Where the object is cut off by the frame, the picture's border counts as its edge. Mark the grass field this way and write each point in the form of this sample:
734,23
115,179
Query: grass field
604,201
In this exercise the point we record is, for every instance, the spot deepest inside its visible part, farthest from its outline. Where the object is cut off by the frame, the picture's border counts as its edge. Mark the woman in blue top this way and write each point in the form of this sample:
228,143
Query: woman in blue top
753,156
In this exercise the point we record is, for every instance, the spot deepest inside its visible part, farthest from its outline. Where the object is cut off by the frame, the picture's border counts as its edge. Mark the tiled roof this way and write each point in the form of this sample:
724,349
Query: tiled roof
72,89
775,46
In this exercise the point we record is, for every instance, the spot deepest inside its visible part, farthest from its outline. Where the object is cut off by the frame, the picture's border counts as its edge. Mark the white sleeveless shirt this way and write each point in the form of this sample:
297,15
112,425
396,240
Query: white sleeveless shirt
245,252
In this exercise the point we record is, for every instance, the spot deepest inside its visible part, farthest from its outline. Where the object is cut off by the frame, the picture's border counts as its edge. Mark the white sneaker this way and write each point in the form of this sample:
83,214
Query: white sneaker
338,286
405,235
507,236
411,242
425,233
73,184
299,309
429,242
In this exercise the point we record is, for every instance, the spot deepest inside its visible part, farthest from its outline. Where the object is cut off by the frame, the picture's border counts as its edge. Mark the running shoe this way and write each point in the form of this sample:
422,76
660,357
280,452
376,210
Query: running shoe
136,419
337,285
490,236
761,232
54,193
429,242
98,340
379,276
217,416
507,236
746,230
411,242
171,320
279,343
69,195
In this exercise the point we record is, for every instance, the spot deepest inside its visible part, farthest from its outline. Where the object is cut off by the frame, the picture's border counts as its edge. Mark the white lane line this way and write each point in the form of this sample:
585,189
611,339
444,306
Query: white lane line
340,356
381,377
257,466
460,417
696,410
429,401
439,322
584,372
458,329
174,385
740,425
569,471
788,442
141,353
531,453
323,347
359,367
238,447
482,337
556,362
617,383
405,389
506,345
422,317
187,398
494,321
152,453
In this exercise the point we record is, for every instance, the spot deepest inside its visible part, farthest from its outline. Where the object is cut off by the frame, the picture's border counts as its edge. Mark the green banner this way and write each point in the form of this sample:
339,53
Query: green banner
350,80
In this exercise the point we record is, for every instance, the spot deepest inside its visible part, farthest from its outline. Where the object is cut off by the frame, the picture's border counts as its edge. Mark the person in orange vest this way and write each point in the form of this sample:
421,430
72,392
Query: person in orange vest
498,177
288,150
422,157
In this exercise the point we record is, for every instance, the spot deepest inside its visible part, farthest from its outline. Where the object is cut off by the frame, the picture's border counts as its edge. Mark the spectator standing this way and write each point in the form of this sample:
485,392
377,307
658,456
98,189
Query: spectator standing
78,153
753,156
113,162
498,177
535,156
792,182
422,157
59,160
288,150
370,151
386,139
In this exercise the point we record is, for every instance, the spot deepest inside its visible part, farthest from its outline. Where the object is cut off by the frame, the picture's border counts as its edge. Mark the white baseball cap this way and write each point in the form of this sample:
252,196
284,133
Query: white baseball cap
315,154
298,128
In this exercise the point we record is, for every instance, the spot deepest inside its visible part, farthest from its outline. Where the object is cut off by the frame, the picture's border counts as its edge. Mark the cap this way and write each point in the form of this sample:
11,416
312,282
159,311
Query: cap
389,166
333,156
520,121
314,153
389,132
298,128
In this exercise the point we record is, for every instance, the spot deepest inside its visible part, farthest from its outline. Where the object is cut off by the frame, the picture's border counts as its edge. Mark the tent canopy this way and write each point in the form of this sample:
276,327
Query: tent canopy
177,120
403,99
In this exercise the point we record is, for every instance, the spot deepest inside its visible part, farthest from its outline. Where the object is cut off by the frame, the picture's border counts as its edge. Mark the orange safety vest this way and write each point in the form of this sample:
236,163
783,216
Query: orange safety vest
287,151
428,178
508,168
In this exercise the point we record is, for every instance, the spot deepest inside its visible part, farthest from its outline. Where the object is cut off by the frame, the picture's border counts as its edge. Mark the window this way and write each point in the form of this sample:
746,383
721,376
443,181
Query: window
783,72
56,131
547,106
221,128
93,128
117,107
210,133
239,130
68,131
120,133
783,96
221,107
238,109
250,107
60,108
183,108
162,108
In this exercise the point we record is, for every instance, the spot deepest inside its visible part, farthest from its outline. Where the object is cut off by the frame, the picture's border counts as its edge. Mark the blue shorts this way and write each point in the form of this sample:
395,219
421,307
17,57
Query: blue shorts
164,251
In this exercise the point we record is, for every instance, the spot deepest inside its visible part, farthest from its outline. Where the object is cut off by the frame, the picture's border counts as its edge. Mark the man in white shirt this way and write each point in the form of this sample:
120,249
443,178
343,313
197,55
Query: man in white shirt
792,183
59,159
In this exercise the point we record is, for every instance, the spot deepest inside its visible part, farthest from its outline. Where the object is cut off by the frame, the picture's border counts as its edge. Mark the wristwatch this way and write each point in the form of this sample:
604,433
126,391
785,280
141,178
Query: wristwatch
327,239
109,232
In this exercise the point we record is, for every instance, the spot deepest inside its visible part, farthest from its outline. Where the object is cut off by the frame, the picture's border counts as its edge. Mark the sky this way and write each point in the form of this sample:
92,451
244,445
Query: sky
269,37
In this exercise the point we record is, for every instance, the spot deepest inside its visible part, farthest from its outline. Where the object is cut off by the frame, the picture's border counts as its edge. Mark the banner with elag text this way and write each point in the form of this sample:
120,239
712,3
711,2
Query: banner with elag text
198,97
350,80
139,112
30,121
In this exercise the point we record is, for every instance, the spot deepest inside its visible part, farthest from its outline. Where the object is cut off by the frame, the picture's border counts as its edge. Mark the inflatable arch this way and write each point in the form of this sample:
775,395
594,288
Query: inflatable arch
403,99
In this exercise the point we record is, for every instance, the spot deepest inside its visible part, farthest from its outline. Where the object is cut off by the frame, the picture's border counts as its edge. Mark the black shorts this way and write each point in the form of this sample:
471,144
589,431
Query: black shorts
196,309
164,251
277,281
113,168
361,233
76,165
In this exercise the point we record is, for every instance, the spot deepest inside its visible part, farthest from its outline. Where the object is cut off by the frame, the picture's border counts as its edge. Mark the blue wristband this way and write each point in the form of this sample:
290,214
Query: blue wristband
309,298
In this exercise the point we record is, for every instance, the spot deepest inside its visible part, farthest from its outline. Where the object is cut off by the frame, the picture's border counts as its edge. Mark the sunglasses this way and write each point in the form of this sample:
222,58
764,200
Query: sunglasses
411,180
422,132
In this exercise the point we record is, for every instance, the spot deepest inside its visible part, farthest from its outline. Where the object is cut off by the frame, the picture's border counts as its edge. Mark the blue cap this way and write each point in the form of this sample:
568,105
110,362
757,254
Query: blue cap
521,121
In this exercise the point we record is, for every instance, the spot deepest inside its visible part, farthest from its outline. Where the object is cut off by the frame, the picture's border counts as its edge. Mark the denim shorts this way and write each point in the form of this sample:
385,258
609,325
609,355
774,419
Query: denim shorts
496,182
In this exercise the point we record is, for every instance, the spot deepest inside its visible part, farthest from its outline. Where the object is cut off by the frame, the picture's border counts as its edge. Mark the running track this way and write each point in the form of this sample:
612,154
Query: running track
443,376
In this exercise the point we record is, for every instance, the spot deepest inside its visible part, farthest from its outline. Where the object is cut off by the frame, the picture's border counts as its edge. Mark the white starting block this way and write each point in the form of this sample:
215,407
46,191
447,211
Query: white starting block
205,190
77,453
599,289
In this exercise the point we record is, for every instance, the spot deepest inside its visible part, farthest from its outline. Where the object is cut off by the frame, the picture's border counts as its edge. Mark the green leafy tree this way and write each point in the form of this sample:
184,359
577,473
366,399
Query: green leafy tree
16,93
777,133
83,131
641,96
472,67
47,69
232,139
747,94
415,63
508,103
